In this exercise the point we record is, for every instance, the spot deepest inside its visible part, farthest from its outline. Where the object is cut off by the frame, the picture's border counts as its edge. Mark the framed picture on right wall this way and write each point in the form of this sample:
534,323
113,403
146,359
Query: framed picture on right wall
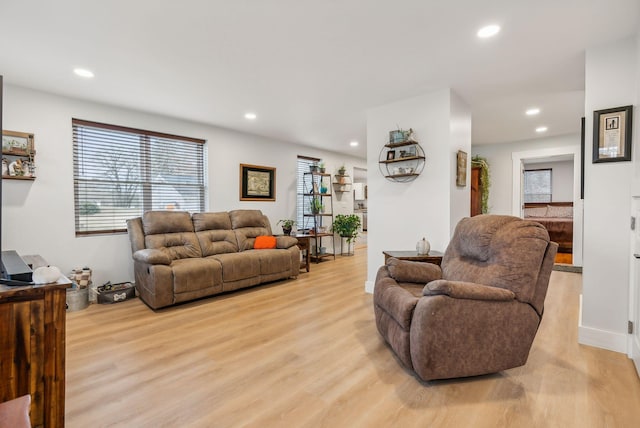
612,134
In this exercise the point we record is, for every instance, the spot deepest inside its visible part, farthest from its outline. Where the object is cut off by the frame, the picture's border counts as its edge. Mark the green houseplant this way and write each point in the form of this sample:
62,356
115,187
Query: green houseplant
316,205
346,226
485,179
287,225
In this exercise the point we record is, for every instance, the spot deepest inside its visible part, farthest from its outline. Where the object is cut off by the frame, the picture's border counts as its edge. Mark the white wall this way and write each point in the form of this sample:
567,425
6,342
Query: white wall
38,216
611,81
499,157
561,178
402,213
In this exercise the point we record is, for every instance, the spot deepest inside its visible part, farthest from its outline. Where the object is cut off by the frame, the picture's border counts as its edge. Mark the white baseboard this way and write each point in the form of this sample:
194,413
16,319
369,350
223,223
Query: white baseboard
369,286
604,339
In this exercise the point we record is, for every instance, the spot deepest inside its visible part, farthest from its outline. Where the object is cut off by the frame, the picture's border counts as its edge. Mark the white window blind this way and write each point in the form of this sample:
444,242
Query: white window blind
303,166
537,185
121,172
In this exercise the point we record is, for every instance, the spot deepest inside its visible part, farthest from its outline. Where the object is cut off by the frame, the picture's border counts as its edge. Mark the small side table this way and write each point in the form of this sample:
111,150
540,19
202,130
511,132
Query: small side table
304,243
434,257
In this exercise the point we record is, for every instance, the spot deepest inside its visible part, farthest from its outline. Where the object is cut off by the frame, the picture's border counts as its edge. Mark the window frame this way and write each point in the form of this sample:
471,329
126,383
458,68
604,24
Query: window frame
146,167
524,186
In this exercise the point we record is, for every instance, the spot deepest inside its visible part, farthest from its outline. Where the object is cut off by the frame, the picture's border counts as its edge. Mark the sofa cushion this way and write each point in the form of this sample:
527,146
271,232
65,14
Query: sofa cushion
264,242
273,260
246,218
217,242
482,250
177,246
195,274
156,222
211,221
237,266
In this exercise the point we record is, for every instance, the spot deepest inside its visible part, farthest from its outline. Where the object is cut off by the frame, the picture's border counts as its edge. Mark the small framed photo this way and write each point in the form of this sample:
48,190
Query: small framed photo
391,155
257,183
612,134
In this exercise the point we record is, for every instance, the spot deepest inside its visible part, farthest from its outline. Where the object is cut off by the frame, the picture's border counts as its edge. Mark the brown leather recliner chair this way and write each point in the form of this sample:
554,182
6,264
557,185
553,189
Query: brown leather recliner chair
479,311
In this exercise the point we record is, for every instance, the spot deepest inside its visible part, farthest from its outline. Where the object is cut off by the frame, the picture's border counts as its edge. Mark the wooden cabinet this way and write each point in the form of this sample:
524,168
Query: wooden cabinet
32,349
18,156
476,191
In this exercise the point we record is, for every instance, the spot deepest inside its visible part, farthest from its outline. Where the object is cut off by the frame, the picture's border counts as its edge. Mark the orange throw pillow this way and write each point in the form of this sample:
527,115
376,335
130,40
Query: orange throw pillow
264,242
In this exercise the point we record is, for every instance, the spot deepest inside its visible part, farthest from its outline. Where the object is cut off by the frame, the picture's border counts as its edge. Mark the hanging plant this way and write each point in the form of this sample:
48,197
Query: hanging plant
484,180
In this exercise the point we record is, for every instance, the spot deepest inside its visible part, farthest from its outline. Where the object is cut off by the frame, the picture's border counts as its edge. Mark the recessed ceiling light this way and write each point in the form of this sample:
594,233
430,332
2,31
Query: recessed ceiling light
541,129
83,72
353,143
250,116
488,31
532,111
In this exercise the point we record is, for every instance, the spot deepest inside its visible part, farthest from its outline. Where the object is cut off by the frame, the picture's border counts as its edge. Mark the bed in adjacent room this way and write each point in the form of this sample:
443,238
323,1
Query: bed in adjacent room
557,217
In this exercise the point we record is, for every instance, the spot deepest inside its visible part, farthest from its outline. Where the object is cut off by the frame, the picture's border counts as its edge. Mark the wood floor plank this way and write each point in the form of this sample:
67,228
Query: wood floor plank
306,353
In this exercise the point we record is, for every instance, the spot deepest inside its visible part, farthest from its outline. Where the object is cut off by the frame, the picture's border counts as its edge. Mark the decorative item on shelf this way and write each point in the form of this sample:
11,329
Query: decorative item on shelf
323,188
347,227
409,136
342,170
18,160
397,136
287,225
322,167
423,247
314,167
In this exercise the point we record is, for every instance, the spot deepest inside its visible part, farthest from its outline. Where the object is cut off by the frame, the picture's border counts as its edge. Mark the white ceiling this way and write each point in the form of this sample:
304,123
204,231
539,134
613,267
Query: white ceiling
311,69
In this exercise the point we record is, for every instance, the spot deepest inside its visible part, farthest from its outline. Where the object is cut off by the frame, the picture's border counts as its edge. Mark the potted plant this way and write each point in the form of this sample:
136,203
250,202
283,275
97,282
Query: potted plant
342,170
287,225
322,167
316,205
347,227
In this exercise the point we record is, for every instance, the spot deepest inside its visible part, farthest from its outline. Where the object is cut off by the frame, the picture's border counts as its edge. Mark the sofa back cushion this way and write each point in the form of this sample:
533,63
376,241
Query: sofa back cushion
214,233
211,221
172,233
500,251
248,224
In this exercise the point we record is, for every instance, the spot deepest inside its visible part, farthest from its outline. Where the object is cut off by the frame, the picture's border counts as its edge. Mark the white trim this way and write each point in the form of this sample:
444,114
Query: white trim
369,286
518,157
604,339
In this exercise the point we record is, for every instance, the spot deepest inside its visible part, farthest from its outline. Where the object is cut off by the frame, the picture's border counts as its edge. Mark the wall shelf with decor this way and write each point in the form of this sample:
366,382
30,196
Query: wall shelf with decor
18,156
318,214
342,183
401,161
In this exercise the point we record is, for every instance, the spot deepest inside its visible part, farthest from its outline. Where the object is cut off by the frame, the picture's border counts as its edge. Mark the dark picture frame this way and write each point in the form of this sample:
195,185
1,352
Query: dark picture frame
612,134
257,183
391,155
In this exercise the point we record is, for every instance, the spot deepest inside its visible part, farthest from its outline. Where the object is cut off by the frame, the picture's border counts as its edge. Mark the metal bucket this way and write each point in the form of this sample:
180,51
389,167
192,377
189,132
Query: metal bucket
77,299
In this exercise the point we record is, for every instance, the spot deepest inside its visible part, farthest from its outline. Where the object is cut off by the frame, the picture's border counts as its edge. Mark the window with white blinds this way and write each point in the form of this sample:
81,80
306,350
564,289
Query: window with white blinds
537,185
303,166
119,173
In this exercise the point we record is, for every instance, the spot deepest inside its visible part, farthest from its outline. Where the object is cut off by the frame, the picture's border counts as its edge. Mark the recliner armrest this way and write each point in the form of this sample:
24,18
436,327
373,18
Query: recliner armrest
417,272
152,257
467,290
285,241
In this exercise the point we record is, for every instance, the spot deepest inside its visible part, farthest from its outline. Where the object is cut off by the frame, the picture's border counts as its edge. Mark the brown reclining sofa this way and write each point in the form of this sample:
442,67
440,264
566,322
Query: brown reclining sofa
180,257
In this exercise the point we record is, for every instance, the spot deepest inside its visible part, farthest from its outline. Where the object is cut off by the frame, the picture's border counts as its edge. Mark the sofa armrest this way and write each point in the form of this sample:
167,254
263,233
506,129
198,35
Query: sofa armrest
152,257
408,271
285,241
467,290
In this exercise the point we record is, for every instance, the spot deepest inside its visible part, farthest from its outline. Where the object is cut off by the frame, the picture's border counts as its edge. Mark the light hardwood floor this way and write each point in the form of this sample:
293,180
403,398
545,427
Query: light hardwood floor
306,353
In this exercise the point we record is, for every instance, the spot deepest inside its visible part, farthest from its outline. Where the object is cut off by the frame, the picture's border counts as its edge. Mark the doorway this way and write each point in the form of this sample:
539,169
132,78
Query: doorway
569,154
